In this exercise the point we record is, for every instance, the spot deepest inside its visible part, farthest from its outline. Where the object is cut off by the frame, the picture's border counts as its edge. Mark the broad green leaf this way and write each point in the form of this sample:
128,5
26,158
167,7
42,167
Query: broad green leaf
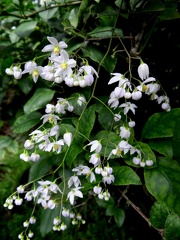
40,168
73,152
153,5
109,140
48,14
25,28
106,118
119,217
176,142
146,152
47,217
86,124
162,146
25,85
2,153
97,56
26,122
169,14
105,204
125,175
158,214
161,125
83,10
5,141
41,97
73,17
163,182
172,227
105,32
13,147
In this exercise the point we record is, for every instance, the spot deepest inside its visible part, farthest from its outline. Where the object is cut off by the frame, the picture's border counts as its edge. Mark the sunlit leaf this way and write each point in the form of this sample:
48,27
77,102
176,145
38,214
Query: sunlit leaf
5,141
26,122
25,28
161,124
172,227
105,32
158,214
163,183
73,17
125,175
48,14
41,97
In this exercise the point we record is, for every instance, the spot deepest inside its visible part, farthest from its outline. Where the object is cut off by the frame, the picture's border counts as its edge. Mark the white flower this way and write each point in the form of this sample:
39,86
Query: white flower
32,220
56,221
26,223
32,68
68,138
98,169
18,201
51,204
63,65
122,81
106,195
47,73
17,72
166,106
136,160
25,157
143,71
75,192
97,189
114,97
34,157
30,234
95,159
63,227
128,106
29,144
51,118
55,47
124,132
20,189
117,117
108,179
50,108
65,212
95,146
74,180
131,124
136,95
127,95
149,162
81,101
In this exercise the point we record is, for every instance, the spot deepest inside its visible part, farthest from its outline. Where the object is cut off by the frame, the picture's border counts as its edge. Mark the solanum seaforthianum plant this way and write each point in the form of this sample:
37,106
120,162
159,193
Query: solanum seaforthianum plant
84,145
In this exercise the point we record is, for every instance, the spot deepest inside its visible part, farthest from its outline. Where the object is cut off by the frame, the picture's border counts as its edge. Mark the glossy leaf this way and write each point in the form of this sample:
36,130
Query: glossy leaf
73,17
105,32
73,152
96,55
41,97
47,218
158,214
119,217
13,147
172,227
106,118
86,124
162,146
25,28
161,124
105,204
125,175
26,122
163,183
5,141
176,142
48,14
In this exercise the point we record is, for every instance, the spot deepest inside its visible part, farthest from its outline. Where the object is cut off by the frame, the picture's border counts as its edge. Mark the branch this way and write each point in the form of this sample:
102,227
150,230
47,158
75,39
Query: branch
138,210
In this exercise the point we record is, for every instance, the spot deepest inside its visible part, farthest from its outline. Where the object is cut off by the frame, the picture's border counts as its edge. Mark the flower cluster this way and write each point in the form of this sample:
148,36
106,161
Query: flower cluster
60,67
127,90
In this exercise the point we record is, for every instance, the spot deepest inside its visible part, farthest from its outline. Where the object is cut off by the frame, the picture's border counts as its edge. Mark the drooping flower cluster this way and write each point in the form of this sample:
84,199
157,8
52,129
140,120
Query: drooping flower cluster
127,90
60,67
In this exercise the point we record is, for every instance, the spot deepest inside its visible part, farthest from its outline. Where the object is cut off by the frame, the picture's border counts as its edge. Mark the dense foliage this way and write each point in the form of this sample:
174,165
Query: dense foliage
90,114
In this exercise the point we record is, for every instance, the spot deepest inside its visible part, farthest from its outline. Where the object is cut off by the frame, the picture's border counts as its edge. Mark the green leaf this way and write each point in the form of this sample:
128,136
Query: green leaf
97,56
25,85
73,17
146,152
105,204
26,122
41,97
153,5
161,124
109,140
40,168
2,153
73,152
47,217
169,14
5,141
176,142
105,32
13,147
86,123
119,217
106,118
25,28
48,14
163,182
125,176
172,227
162,146
158,214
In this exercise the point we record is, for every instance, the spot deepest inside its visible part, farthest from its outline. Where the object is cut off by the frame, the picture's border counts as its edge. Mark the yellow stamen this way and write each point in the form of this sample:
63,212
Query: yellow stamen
35,73
57,50
63,65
